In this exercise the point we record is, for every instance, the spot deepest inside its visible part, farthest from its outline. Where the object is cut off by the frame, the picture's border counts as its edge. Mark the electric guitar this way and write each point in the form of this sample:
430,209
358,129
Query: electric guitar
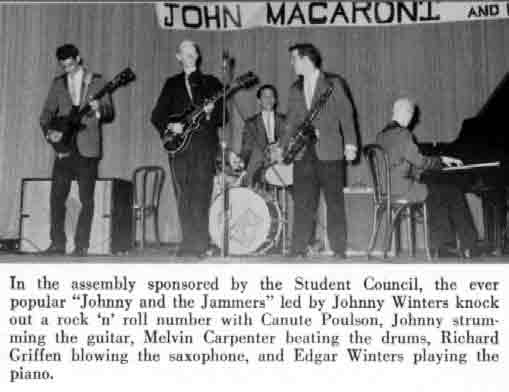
71,124
192,117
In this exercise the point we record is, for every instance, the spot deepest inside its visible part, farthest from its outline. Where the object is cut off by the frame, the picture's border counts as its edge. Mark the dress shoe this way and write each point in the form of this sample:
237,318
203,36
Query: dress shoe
339,255
188,253
212,251
470,253
79,252
53,250
445,252
297,254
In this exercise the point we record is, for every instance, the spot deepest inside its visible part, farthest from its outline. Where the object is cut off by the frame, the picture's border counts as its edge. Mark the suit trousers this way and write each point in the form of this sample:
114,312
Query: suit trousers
193,177
66,169
309,176
449,215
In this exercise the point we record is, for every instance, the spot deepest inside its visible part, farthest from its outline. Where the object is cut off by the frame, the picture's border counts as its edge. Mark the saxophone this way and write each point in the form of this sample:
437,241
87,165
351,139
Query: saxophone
306,134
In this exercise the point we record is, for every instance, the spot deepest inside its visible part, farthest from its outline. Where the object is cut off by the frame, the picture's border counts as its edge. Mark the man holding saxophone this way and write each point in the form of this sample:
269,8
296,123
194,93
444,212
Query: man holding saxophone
320,165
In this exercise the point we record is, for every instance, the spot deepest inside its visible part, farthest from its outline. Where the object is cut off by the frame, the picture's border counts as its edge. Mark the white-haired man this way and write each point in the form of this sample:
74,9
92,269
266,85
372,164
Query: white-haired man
448,212
193,168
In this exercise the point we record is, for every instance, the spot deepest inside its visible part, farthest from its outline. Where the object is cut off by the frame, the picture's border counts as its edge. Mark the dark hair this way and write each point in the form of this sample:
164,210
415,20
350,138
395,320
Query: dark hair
310,51
67,51
266,87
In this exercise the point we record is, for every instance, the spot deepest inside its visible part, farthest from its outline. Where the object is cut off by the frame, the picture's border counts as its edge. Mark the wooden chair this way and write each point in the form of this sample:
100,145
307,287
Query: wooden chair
390,210
148,183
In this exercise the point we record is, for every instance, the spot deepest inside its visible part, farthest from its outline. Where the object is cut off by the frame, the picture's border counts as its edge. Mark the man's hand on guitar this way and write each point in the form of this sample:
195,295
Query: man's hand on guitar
208,108
350,152
94,105
54,136
235,161
450,161
176,128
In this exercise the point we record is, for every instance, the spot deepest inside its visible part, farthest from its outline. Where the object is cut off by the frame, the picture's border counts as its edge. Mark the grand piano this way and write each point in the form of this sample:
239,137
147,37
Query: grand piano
483,146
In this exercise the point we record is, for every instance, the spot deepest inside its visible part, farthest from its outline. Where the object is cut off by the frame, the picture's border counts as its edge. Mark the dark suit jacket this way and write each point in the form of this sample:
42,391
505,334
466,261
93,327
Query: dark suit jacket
406,162
335,123
174,100
254,142
59,103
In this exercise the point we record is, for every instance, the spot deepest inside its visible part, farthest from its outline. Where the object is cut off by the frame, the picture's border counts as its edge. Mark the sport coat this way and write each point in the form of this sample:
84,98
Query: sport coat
59,103
174,100
335,122
406,162
255,142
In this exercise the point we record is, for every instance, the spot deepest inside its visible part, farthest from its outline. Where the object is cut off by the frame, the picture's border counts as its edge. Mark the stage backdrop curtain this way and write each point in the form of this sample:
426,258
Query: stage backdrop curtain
449,69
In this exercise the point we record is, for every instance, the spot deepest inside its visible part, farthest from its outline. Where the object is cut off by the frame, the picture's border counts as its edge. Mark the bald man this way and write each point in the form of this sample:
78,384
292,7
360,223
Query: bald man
448,212
192,168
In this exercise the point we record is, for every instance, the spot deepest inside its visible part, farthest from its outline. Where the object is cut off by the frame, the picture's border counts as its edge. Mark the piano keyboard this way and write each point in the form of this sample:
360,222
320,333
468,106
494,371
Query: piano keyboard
472,166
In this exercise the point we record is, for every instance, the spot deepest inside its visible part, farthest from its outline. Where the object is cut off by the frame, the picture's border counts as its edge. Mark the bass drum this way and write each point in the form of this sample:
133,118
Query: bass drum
254,222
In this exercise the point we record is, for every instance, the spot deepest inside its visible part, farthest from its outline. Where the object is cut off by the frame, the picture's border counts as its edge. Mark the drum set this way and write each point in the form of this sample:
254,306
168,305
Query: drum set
258,218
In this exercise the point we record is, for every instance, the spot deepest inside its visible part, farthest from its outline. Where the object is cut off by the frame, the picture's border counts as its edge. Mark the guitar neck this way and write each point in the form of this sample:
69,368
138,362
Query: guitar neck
98,95
216,97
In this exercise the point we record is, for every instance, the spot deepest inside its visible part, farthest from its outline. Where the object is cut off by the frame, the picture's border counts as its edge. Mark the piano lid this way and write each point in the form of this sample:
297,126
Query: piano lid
490,126
496,105
484,137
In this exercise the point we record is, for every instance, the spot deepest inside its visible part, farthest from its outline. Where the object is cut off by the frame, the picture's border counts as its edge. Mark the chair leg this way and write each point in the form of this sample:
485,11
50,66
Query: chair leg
155,217
426,231
377,214
411,232
133,228
388,234
143,229
392,226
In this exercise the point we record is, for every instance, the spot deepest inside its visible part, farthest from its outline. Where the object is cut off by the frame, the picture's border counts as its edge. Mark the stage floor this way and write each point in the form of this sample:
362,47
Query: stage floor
159,255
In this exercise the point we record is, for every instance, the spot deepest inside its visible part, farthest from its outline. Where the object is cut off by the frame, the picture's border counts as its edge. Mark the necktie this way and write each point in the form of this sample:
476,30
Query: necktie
188,87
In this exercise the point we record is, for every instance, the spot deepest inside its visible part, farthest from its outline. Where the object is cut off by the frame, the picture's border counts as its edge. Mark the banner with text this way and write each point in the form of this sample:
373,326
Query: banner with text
223,16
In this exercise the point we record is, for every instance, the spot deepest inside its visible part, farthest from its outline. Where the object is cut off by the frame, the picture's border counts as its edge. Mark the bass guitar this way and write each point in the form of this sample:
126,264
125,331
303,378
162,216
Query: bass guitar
71,124
306,134
192,118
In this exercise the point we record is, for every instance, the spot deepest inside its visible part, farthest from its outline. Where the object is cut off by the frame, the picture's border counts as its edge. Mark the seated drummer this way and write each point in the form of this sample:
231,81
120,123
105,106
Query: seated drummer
260,132
448,212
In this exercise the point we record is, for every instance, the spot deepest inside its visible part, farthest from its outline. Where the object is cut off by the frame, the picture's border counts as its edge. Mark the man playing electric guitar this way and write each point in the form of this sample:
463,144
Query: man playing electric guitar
79,158
193,167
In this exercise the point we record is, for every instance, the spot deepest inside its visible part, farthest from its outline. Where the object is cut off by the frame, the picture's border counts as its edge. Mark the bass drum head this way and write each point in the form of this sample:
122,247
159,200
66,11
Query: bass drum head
250,221
279,175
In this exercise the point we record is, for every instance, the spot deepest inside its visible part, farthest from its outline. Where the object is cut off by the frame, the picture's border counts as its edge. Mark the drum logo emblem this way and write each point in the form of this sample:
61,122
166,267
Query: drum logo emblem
245,229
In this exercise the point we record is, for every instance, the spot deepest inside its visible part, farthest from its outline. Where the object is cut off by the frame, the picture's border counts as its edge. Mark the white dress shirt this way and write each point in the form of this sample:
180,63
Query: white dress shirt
269,122
74,83
309,87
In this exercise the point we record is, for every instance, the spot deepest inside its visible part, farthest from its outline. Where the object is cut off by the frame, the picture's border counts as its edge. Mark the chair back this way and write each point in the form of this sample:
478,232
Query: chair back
148,183
378,163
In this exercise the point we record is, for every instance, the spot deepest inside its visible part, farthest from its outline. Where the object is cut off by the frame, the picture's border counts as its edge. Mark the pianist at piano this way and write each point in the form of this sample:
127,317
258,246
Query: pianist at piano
448,211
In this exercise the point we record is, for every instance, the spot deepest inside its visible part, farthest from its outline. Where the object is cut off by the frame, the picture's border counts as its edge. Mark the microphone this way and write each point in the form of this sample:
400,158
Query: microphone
226,59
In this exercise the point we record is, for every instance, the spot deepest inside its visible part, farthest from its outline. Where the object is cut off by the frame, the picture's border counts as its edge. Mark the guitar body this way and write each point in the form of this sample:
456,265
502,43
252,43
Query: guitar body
69,128
175,143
